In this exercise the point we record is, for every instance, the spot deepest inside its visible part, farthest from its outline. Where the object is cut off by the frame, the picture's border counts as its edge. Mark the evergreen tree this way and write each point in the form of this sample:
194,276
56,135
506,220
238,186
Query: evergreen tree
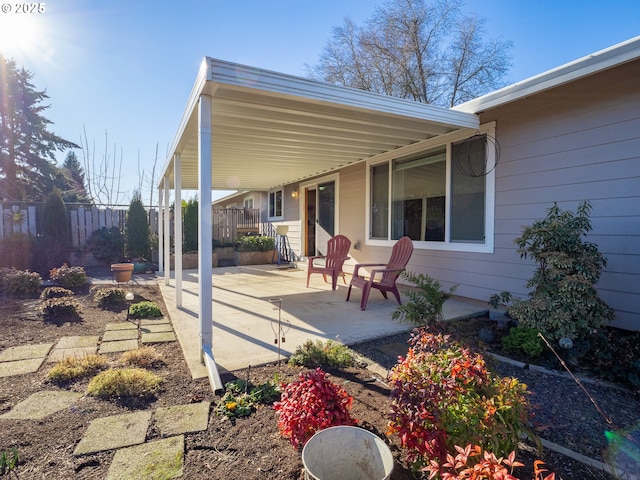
71,181
56,233
27,147
137,228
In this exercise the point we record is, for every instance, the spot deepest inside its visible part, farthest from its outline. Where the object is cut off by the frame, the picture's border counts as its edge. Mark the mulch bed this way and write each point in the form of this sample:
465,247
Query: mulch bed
251,447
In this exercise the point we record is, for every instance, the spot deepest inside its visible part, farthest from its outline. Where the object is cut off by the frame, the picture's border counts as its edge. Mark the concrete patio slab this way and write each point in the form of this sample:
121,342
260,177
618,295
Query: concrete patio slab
118,346
245,322
20,367
160,459
121,326
115,431
41,405
113,335
77,341
25,352
174,420
59,354
158,337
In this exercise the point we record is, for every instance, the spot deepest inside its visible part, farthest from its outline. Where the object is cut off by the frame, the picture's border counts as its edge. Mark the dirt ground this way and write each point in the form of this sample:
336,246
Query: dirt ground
247,448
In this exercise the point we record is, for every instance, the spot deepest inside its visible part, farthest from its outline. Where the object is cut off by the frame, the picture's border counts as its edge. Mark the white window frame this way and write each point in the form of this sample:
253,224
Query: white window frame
274,192
246,200
447,245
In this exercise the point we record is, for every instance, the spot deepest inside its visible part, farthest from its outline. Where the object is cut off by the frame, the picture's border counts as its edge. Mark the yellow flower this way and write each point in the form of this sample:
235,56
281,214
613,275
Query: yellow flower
231,406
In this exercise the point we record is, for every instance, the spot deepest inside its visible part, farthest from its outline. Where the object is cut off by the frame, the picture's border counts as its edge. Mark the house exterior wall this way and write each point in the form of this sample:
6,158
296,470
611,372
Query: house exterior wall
576,142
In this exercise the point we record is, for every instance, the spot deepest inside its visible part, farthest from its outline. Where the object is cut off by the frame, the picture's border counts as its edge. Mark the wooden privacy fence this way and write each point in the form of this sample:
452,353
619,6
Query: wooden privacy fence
83,220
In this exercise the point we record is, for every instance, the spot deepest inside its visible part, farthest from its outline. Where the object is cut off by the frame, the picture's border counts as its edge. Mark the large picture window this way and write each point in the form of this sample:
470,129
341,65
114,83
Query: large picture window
431,197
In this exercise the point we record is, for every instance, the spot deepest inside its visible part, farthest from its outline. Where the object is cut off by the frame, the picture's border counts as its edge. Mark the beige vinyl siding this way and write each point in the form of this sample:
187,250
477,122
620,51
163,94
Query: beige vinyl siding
573,143
577,142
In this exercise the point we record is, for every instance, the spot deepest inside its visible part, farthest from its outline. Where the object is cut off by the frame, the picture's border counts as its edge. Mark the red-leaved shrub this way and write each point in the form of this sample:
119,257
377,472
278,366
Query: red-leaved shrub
310,404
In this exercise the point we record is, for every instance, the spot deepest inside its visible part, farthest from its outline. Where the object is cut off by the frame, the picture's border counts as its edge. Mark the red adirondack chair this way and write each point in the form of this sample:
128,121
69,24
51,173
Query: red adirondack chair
337,253
383,279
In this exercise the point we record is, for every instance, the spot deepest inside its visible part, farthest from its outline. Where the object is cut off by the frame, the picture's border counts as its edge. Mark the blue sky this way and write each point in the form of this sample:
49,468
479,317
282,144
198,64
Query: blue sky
127,68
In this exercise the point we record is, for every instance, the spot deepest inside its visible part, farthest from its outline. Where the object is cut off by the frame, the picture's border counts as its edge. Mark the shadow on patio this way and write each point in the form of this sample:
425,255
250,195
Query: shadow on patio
245,322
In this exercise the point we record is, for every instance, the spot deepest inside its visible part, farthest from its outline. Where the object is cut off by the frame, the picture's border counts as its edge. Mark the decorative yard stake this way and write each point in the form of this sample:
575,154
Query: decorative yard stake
280,328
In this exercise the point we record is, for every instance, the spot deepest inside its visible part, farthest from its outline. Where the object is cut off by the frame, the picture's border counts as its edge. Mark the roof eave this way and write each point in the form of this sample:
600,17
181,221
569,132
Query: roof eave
604,59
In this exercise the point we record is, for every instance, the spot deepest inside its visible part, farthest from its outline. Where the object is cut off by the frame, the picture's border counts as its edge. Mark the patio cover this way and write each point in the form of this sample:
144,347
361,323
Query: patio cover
246,128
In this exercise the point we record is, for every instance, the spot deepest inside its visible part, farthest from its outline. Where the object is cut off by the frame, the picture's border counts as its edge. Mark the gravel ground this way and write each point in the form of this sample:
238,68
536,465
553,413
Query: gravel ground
562,412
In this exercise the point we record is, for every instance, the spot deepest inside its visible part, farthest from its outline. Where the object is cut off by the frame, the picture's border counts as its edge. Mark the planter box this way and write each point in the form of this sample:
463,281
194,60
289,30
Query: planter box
253,258
225,253
190,261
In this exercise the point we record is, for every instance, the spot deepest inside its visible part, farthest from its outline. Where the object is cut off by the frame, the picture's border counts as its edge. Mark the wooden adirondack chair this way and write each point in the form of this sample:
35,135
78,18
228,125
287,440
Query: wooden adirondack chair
383,279
337,253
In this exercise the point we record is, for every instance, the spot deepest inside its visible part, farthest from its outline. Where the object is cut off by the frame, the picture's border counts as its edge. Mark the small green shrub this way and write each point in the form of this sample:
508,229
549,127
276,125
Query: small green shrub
190,225
124,382
18,282
144,357
68,277
443,395
425,305
109,297
72,368
310,404
55,292
523,339
61,307
145,309
318,354
107,245
241,398
255,243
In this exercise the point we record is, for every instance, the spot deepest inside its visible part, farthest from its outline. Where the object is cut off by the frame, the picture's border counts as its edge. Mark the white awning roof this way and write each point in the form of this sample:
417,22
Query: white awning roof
269,129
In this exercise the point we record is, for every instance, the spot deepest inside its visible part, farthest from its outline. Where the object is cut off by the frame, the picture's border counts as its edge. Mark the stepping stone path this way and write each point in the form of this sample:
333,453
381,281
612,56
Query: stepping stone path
134,459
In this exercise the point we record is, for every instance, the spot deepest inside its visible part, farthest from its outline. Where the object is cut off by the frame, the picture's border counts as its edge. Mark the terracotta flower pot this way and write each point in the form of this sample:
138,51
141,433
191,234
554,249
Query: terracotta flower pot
122,272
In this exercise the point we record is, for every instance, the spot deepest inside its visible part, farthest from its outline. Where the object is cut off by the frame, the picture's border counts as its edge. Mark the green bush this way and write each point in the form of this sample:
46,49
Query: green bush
124,382
425,305
107,245
145,309
16,250
255,243
19,282
443,395
190,225
56,233
523,339
55,292
319,354
564,301
69,277
137,229
241,398
109,297
61,307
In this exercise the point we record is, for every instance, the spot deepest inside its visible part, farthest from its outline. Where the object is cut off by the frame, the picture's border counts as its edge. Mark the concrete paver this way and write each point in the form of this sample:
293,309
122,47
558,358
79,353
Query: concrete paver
41,405
77,341
20,367
25,352
160,459
118,346
59,354
115,431
121,326
112,335
158,337
177,419
161,327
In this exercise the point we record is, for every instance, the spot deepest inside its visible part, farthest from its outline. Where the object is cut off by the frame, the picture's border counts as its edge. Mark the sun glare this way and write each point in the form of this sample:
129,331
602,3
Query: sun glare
19,34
